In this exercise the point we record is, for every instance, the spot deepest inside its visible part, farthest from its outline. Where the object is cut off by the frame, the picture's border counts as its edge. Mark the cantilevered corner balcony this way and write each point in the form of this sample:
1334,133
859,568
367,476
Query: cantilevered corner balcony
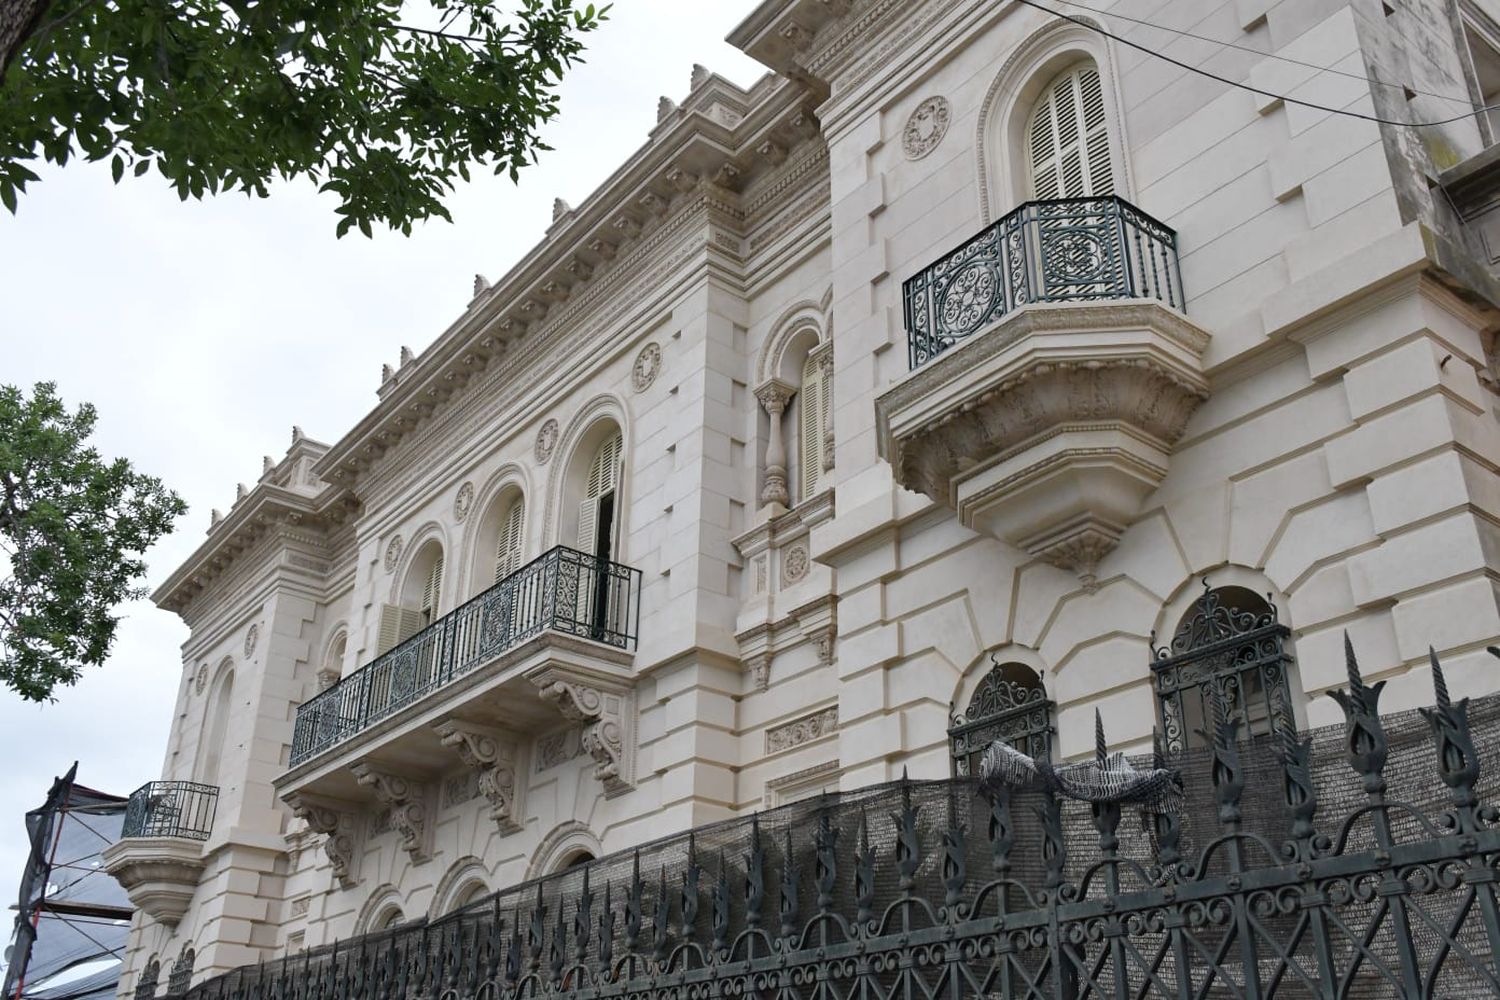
551,642
1052,371
159,856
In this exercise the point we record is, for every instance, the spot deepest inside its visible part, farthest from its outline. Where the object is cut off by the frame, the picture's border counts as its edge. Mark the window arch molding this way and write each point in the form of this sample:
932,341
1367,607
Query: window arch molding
506,484
330,665
1000,142
378,909
575,447
562,844
457,886
1004,689
213,730
415,550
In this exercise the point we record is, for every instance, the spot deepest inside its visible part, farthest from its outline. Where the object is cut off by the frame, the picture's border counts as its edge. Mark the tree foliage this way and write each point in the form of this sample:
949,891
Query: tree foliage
73,528
383,104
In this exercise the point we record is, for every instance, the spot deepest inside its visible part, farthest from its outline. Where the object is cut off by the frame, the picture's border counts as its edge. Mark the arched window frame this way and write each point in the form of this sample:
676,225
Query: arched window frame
1009,703
213,733
417,590
795,389
1068,152
181,976
1000,139
1217,647
145,986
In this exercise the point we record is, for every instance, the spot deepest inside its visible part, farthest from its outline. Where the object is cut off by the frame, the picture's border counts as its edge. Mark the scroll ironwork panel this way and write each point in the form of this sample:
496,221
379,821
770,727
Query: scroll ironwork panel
171,809
1010,705
1058,250
1233,651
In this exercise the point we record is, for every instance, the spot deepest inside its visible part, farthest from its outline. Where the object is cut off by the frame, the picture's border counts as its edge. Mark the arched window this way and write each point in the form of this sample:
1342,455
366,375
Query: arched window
812,417
216,725
387,918
1067,138
597,511
1227,660
420,597
181,976
1010,705
145,987
333,662
471,893
508,541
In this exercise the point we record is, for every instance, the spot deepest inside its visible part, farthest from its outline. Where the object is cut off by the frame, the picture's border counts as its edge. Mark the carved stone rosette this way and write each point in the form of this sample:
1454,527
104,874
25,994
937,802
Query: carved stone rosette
603,716
337,828
407,802
487,752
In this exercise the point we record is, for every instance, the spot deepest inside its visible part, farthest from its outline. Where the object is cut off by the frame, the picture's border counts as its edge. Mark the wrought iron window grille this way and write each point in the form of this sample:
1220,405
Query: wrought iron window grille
171,809
562,590
1008,705
1059,250
1375,877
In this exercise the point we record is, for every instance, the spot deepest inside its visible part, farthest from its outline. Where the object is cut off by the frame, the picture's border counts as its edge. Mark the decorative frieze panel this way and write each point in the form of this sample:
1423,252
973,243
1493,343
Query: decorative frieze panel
493,758
407,801
555,749
803,730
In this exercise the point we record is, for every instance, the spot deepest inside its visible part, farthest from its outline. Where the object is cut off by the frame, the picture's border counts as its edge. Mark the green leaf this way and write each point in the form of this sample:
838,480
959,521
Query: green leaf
117,167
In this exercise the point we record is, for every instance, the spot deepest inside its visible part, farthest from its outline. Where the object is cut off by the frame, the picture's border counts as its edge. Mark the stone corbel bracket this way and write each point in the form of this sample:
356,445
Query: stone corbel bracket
335,821
606,709
496,758
407,801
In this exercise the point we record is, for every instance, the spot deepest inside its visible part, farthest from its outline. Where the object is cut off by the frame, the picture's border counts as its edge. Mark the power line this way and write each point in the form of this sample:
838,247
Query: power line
1251,87
1266,55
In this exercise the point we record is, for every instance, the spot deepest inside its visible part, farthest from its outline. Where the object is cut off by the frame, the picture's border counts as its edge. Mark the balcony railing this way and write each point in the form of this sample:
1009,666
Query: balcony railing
171,809
1355,860
563,590
1064,250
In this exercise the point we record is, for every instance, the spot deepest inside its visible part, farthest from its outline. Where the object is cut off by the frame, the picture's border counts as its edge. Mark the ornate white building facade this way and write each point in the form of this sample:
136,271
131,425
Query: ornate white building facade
924,380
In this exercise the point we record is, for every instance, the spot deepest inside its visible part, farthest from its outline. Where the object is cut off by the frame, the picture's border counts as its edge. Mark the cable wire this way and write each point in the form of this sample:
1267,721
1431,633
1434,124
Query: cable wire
1465,99
1251,87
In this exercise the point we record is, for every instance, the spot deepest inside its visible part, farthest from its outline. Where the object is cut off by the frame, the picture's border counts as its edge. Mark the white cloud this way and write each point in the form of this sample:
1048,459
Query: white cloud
203,331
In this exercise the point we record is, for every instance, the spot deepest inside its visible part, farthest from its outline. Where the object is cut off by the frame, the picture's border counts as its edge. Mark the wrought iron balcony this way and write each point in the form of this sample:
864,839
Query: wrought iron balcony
563,590
1356,860
171,809
1063,250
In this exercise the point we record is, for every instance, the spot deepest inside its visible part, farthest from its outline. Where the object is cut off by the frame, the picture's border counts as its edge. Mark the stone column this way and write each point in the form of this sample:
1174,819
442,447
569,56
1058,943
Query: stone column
774,395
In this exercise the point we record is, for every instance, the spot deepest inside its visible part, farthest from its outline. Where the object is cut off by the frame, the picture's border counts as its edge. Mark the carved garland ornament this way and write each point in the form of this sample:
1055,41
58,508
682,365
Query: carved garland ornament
926,127
463,500
202,680
393,553
647,365
546,440
794,564
252,636
803,730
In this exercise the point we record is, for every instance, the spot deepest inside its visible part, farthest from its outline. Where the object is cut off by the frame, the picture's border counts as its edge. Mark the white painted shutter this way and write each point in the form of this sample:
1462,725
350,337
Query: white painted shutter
813,397
508,549
604,475
397,624
432,591
1068,138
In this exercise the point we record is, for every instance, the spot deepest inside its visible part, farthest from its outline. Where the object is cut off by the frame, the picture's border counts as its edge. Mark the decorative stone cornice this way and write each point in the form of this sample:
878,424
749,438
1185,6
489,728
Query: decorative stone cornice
604,710
1049,429
495,757
407,801
336,824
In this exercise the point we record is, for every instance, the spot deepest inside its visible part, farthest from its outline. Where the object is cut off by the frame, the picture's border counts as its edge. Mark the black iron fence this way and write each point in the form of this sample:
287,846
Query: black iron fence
1353,861
1063,250
563,590
171,809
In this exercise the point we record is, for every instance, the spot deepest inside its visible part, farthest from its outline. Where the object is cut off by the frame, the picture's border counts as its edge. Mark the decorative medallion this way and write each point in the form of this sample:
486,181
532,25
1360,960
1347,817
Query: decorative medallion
252,635
393,553
647,365
926,127
966,301
794,564
546,440
462,501
202,681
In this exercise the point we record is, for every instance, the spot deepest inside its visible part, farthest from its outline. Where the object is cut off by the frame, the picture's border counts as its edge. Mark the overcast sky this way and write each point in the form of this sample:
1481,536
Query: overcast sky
203,331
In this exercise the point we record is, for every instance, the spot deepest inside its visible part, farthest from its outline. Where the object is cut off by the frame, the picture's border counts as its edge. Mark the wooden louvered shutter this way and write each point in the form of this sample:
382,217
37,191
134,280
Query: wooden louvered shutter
813,397
397,624
432,592
508,549
1068,138
604,476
